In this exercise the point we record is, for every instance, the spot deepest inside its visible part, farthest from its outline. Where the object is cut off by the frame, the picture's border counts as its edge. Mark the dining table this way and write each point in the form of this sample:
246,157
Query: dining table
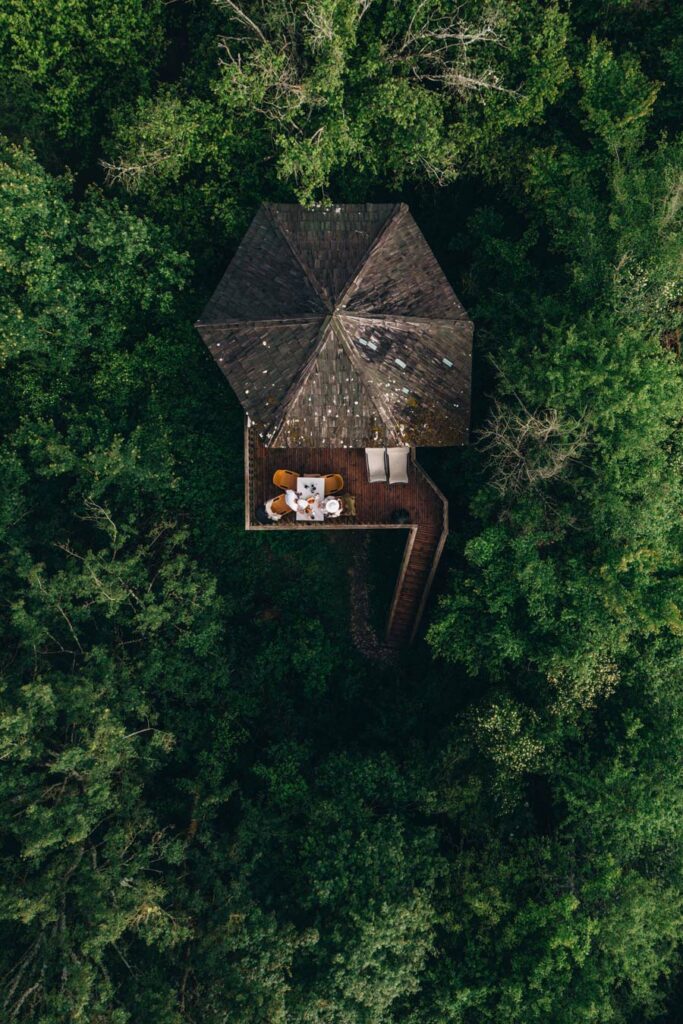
310,494
308,501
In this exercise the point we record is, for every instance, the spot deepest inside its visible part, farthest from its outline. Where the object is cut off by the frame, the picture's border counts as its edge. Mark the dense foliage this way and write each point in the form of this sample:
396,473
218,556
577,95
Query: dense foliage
213,807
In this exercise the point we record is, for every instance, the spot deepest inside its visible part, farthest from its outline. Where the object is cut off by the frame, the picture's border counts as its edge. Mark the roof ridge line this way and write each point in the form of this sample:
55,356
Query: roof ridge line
379,237
300,379
388,317
272,214
358,365
251,321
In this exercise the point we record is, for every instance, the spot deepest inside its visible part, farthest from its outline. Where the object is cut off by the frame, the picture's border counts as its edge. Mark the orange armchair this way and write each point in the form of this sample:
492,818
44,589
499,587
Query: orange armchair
285,479
333,483
279,505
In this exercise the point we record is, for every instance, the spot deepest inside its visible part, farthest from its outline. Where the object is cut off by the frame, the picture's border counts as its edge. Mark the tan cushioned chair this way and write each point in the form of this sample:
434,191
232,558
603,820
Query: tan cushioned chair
398,465
377,470
333,483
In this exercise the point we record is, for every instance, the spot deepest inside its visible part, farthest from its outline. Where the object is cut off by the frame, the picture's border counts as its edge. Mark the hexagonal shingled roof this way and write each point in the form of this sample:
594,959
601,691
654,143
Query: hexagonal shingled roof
336,327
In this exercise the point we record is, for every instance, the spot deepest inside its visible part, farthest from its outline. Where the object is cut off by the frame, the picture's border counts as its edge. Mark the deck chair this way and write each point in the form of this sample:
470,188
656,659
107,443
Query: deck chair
279,506
398,465
333,482
377,470
285,479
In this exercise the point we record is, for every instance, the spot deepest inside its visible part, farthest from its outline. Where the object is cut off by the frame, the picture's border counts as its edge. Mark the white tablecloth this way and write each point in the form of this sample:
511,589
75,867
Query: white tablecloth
311,487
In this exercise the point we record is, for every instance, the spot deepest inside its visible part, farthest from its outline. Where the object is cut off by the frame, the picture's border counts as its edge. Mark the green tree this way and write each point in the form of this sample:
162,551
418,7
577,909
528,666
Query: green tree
67,64
346,92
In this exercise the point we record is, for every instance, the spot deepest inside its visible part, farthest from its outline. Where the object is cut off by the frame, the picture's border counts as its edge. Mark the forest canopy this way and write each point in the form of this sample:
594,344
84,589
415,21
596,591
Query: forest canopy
213,806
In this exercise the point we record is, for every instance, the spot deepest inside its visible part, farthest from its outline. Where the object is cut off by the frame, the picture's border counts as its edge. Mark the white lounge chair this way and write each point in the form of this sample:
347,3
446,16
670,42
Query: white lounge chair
398,465
377,470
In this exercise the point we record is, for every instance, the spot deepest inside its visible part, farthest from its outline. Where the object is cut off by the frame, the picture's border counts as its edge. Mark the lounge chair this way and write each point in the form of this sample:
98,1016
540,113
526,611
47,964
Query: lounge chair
285,479
398,465
377,470
333,483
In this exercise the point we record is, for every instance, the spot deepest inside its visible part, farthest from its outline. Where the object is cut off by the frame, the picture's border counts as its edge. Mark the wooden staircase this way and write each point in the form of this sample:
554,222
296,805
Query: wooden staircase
420,560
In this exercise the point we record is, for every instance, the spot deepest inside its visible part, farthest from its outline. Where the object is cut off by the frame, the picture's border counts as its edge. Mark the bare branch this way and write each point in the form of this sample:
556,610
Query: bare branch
439,48
61,611
528,448
29,992
129,174
242,16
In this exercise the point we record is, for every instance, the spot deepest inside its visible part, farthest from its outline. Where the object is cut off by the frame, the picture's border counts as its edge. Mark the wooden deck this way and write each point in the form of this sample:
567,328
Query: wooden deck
428,509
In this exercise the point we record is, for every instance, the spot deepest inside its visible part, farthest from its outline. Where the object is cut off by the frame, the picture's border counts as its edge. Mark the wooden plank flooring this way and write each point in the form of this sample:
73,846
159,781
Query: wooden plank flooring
427,508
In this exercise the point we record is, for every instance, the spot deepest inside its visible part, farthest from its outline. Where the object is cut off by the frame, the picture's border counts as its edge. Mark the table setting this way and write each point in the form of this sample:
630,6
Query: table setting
309,503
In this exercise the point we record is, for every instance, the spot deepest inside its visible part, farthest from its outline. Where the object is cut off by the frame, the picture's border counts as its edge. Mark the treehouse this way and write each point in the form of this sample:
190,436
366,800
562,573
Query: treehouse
343,340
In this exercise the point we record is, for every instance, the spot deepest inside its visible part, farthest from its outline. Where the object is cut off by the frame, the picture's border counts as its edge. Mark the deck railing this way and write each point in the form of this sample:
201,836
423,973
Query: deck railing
428,529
